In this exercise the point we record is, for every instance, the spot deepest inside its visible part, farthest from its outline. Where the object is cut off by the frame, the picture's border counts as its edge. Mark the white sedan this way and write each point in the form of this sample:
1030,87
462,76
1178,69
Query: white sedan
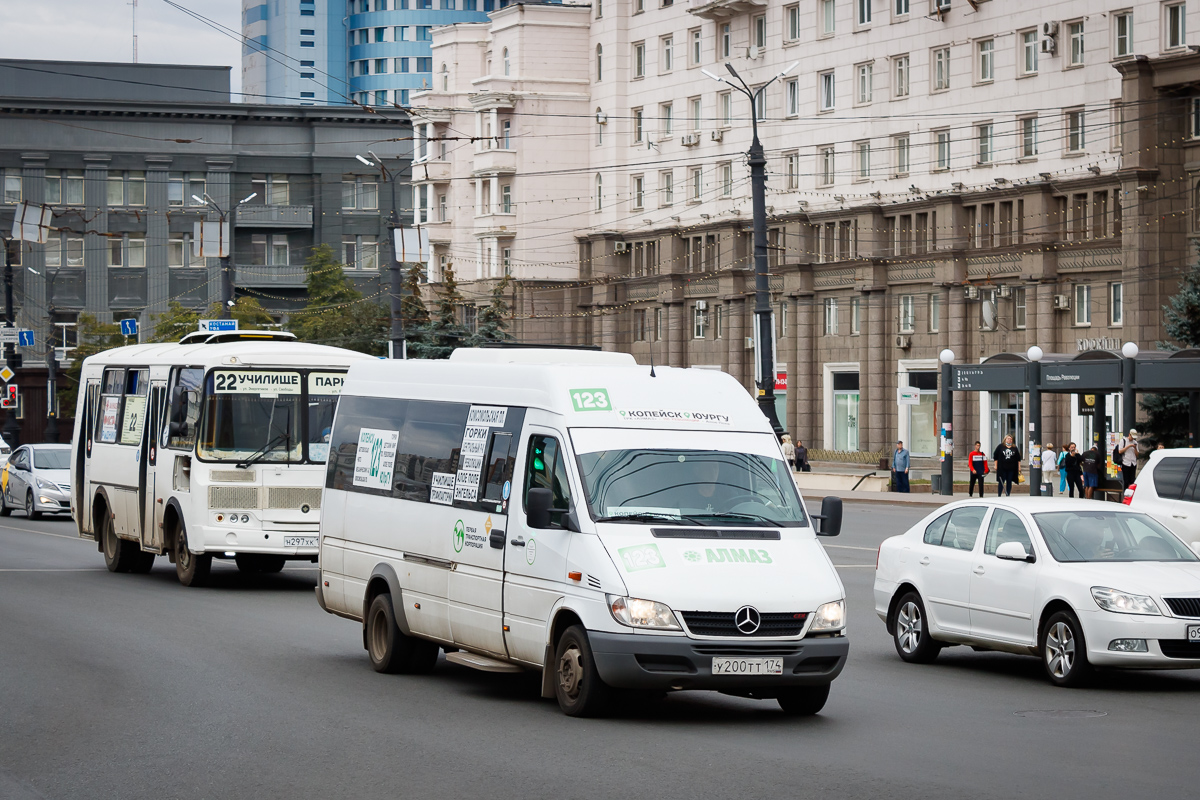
1079,583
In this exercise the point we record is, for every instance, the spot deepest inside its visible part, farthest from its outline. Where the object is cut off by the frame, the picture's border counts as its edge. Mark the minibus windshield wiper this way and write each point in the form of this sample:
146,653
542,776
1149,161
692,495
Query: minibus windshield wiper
732,515
653,516
264,450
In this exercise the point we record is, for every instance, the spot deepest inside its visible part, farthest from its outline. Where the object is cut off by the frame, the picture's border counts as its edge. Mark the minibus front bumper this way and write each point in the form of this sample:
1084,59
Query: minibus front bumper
639,661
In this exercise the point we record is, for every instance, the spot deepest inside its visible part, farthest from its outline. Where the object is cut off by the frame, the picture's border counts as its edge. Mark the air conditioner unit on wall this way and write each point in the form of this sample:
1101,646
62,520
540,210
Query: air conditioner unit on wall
690,140
620,247
1049,45
1050,29
1062,302
904,342
1004,291
717,136
971,293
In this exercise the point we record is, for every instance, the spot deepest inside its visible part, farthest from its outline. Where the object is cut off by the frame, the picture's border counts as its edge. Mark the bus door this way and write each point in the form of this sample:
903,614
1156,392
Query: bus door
150,510
82,480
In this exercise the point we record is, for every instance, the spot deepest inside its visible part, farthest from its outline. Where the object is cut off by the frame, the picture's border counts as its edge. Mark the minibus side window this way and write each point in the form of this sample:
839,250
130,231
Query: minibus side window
133,414
189,380
545,469
108,412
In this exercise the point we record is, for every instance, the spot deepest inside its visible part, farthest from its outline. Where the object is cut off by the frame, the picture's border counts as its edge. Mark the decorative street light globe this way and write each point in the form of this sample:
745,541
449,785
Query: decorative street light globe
946,356
1129,350
1035,353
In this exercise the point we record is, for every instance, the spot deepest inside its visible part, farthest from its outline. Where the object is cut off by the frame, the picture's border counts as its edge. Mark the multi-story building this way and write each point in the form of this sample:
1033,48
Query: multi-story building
370,52
970,175
125,165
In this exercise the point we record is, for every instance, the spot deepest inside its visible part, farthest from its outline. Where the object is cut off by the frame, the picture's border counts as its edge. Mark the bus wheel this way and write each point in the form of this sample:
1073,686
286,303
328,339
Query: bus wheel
119,555
142,563
251,563
577,683
390,650
31,508
192,568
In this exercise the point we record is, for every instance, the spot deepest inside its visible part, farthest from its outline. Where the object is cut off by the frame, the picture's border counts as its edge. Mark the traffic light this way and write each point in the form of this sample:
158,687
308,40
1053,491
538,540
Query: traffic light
10,397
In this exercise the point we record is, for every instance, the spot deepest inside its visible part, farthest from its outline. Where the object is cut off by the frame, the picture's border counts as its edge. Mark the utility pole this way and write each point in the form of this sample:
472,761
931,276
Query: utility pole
226,284
226,267
394,267
12,429
764,334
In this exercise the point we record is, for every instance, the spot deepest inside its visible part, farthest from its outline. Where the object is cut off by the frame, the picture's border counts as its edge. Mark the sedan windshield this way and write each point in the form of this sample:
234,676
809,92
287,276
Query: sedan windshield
251,416
58,458
697,486
1109,536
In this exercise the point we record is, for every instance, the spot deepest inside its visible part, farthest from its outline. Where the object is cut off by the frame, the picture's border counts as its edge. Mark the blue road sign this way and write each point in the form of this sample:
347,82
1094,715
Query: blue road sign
218,325
25,338
129,327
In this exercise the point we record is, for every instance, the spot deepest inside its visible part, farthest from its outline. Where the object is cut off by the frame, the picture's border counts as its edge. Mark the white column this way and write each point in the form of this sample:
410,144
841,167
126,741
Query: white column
479,259
429,203
494,200
429,134
478,131
495,120
479,197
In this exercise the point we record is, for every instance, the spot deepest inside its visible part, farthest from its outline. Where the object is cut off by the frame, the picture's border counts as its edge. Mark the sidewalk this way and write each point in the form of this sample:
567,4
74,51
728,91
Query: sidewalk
886,498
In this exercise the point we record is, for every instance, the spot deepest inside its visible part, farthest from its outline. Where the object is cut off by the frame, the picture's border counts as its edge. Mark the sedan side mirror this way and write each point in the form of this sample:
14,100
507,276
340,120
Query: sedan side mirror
1014,551
830,518
537,508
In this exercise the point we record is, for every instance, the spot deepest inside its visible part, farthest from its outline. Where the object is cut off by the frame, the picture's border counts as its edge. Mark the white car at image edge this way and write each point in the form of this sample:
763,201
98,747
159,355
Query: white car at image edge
1079,583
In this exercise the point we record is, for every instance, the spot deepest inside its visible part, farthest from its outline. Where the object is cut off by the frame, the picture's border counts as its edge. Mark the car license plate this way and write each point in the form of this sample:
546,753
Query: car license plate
747,666
1194,633
299,541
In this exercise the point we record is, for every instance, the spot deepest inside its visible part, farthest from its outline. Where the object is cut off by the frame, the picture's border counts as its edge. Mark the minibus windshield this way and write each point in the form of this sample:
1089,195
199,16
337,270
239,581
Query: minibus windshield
706,487
251,416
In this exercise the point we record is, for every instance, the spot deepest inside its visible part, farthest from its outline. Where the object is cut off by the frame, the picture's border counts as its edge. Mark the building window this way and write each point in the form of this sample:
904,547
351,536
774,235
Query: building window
760,105
725,42
1019,310
901,73
855,317
639,125
639,60
700,319
1075,131
863,150
987,60
1083,305
908,313
666,119
826,158
599,192
1176,25
639,325
831,316
941,141
1029,52
900,8
506,202
381,66
791,167
758,26
272,250
827,91
864,12
792,97
1029,138
666,188
900,147
986,151
1075,34
866,83
726,103
126,189
695,54
696,182
697,114
639,191
599,63
1116,308
726,169
359,194
828,17
667,48
941,69
935,313
423,34
183,188
791,29
179,251
1123,33
718,321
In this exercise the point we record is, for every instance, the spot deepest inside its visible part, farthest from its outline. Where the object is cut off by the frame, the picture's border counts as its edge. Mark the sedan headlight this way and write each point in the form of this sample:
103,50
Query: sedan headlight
829,617
48,485
1123,602
642,613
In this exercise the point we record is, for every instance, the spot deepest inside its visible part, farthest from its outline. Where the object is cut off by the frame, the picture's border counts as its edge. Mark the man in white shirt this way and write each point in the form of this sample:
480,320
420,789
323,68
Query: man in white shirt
1049,470
1127,450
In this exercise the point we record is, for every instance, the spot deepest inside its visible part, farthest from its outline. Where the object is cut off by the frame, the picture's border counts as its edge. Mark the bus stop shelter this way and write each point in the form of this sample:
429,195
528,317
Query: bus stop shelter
1098,372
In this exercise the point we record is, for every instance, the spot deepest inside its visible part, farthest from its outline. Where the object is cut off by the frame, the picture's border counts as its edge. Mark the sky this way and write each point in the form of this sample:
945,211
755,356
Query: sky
102,30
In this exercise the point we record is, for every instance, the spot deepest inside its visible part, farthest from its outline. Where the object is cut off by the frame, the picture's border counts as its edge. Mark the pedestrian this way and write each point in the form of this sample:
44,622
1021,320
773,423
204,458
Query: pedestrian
1049,470
1090,465
789,451
1072,464
977,461
1062,473
802,458
1127,449
1008,466
900,465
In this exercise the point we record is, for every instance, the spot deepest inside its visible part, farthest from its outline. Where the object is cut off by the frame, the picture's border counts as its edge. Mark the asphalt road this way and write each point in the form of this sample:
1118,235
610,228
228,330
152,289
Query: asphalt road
134,686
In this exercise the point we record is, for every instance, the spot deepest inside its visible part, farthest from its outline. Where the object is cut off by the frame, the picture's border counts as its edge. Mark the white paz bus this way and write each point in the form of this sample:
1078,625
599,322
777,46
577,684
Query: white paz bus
214,446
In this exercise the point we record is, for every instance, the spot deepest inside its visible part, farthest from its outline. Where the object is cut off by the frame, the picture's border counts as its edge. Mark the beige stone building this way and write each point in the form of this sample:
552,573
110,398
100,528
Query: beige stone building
978,176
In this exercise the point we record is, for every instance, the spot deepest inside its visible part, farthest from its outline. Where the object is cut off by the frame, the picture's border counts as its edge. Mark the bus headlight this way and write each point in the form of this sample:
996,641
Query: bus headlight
830,617
642,613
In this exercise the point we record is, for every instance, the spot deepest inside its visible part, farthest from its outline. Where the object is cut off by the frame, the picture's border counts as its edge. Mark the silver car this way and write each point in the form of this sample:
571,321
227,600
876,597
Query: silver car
37,478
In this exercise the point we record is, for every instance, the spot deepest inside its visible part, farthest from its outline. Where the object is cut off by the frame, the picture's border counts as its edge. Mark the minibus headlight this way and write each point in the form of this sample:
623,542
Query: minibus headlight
830,617
642,613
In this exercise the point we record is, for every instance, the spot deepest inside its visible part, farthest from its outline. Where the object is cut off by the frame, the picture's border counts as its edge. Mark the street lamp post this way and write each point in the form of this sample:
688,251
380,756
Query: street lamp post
397,278
763,334
226,268
12,429
947,431
1035,421
51,362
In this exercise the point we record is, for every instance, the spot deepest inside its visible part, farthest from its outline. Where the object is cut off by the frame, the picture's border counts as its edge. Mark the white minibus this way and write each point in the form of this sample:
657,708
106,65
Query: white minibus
214,446
614,526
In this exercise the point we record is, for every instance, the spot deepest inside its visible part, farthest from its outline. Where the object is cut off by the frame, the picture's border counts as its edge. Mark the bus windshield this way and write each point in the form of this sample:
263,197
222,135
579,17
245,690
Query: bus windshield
251,416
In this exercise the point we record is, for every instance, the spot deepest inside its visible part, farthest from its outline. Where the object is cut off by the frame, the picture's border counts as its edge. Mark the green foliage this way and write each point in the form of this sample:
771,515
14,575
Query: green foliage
443,333
336,313
179,320
413,312
1168,413
493,318
92,336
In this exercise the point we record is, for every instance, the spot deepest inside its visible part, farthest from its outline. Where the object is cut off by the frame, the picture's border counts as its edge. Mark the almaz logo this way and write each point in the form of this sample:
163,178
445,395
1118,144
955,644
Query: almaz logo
738,555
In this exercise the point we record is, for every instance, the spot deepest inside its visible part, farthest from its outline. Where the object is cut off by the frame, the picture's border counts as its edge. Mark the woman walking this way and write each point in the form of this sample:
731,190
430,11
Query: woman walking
1072,465
789,451
1008,466
1049,470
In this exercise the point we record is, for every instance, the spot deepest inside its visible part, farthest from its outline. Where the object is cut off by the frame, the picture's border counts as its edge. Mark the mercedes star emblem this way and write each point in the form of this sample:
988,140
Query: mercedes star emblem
747,619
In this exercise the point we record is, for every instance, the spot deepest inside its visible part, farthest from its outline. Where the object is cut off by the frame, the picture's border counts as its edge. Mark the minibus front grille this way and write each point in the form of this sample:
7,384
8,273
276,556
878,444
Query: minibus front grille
721,623
279,497
233,497
1184,606
712,533
232,475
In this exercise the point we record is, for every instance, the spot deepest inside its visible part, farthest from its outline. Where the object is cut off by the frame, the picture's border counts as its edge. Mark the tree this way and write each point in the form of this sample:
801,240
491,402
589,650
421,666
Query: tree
337,314
1168,413
493,318
444,333
91,336
413,313
179,320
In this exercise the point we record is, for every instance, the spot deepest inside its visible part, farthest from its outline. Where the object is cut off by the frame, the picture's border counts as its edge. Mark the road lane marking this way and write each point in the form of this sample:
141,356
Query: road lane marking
850,547
43,533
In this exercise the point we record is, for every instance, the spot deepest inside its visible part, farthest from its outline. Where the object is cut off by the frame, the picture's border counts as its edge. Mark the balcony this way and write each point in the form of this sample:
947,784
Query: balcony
494,162
435,171
498,225
274,216
276,276
723,9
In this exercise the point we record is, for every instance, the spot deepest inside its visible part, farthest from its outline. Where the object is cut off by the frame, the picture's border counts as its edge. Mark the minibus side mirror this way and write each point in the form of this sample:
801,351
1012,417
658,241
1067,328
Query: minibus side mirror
570,520
830,518
537,508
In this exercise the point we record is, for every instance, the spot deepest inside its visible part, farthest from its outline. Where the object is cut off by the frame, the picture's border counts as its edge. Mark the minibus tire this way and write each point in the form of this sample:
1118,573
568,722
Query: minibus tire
577,684
803,701
192,569
390,651
119,555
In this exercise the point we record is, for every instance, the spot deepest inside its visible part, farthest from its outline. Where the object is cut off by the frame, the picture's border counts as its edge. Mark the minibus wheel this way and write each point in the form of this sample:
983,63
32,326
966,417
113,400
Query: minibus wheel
119,555
577,683
803,701
192,569
389,649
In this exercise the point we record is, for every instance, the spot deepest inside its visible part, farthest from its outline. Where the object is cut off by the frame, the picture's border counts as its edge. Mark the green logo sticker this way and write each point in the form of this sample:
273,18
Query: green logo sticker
460,536
734,555
691,555
590,400
640,557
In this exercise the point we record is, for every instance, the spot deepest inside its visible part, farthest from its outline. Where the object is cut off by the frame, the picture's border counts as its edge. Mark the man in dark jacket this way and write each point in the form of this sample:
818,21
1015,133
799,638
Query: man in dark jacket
978,461
1091,465
1008,466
